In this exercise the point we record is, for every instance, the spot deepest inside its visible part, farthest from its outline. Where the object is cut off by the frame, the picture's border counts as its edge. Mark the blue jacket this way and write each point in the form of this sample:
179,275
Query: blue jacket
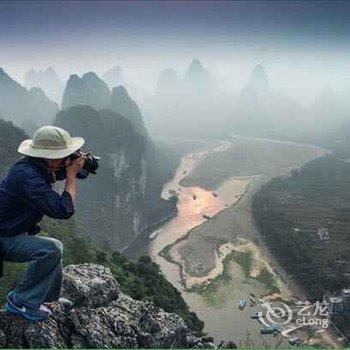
26,195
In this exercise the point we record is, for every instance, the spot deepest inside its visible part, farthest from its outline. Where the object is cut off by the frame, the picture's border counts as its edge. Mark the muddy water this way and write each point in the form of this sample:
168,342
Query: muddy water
194,202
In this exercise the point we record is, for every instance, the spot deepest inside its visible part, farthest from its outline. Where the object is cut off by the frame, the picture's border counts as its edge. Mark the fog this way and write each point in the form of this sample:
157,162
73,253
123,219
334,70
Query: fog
300,74
302,48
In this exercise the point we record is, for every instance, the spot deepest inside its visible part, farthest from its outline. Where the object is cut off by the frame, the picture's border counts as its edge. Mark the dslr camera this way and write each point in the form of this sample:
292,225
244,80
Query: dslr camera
90,161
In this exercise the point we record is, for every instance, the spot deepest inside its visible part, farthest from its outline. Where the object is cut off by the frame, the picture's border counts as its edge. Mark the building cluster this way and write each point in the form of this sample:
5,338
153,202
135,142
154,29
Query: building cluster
320,236
339,304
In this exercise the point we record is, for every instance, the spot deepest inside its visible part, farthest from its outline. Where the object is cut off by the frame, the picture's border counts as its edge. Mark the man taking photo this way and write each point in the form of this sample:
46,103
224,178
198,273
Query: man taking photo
26,195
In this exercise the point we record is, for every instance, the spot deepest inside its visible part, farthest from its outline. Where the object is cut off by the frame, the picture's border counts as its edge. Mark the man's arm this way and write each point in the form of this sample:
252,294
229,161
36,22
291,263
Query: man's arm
72,170
39,193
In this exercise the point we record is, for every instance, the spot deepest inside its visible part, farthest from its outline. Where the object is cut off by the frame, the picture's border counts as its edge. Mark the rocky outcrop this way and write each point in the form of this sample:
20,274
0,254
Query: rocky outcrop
101,317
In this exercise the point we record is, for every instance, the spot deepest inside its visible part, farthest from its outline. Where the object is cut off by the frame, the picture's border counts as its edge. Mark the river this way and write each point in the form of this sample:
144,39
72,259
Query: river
211,224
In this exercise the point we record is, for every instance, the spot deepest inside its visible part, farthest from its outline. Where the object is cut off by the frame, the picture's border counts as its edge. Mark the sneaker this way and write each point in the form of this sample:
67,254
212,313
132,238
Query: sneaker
15,307
46,309
66,303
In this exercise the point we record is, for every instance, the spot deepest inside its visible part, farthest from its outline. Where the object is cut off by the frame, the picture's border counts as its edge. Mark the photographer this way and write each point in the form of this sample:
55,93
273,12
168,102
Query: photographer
26,195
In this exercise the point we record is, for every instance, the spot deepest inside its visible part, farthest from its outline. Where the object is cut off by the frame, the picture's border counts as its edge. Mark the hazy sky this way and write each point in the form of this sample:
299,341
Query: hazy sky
296,40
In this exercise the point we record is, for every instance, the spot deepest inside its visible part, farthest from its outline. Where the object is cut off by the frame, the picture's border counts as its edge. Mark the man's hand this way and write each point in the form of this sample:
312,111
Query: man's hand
75,166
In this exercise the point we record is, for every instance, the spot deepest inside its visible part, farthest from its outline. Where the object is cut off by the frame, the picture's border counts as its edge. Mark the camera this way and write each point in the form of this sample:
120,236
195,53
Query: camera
90,161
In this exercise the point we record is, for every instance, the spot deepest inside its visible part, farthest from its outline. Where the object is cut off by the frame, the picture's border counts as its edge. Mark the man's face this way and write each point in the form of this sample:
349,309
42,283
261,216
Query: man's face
56,164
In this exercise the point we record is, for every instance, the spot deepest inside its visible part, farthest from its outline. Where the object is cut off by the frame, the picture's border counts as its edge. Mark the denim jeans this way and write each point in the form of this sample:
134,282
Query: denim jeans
41,281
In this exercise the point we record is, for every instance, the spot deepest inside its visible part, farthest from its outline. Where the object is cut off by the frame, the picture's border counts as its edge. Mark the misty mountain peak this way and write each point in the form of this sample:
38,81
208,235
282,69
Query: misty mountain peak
3,74
326,100
47,80
37,91
123,104
196,70
120,91
90,76
22,105
167,82
196,65
197,77
73,77
114,76
259,79
169,74
89,90
50,70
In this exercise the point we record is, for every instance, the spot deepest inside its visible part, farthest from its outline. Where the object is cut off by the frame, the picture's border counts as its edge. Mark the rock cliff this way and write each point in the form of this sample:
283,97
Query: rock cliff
101,317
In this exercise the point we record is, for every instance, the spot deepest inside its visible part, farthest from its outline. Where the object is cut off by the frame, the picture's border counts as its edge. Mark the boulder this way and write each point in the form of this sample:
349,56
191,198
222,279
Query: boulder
89,285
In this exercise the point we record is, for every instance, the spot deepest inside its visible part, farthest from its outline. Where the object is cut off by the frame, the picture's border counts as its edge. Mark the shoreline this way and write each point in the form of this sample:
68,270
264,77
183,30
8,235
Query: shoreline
165,252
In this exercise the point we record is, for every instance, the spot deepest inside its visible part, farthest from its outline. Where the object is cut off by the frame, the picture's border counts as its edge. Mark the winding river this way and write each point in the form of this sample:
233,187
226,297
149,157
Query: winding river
222,215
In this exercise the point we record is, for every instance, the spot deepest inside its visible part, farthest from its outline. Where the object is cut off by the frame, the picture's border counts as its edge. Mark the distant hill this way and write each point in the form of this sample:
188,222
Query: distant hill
197,78
289,212
191,105
122,103
87,90
114,77
10,137
43,105
20,105
92,91
264,111
47,80
168,82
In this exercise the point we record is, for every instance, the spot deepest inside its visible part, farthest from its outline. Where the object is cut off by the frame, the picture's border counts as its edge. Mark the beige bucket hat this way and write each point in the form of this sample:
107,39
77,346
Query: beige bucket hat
51,142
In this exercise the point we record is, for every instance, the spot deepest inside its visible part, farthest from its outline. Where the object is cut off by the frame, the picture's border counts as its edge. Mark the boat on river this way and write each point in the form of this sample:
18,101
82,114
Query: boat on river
255,316
242,304
271,330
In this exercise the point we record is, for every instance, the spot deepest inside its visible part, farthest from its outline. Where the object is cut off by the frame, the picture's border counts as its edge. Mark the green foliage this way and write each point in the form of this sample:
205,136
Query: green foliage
289,212
245,260
143,280
266,278
10,137
12,272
